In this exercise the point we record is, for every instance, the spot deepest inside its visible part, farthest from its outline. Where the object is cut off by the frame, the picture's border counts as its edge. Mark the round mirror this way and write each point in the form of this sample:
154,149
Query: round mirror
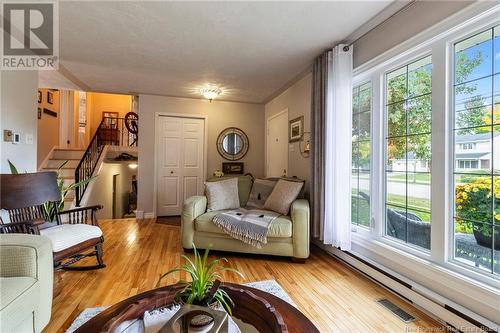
232,143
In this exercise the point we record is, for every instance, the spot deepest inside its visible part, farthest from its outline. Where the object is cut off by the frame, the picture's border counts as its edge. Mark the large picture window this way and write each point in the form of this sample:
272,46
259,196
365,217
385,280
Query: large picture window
408,152
477,150
361,153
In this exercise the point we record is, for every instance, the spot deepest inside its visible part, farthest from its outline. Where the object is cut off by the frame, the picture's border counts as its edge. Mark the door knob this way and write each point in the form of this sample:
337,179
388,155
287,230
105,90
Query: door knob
171,172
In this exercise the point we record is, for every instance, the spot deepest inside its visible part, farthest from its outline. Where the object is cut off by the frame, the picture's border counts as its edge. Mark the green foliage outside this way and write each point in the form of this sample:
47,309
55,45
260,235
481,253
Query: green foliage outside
473,202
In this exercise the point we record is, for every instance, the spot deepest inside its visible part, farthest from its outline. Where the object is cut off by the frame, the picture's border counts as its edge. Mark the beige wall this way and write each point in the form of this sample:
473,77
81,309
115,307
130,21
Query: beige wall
18,101
248,117
419,16
99,103
297,99
48,126
101,191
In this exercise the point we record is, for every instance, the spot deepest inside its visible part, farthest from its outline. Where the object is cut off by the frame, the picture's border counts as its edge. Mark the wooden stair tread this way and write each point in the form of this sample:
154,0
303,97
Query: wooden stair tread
69,149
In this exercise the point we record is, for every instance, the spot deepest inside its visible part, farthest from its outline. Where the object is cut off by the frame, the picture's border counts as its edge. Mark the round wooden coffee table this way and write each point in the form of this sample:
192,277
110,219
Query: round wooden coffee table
265,312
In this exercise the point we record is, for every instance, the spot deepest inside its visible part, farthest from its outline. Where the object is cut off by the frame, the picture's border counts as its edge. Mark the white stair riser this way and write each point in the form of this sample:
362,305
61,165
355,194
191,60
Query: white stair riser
57,163
62,172
65,154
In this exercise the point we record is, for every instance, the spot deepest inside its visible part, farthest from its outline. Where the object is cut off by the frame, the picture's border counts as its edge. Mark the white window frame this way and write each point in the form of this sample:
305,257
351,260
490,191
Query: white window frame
438,42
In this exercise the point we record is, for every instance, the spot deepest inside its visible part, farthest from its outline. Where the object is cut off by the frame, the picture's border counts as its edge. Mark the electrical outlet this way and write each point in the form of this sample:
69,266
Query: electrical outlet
291,147
29,139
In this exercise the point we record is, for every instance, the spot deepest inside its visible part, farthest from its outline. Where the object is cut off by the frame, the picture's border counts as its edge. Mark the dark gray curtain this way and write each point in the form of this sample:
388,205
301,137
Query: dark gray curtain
318,139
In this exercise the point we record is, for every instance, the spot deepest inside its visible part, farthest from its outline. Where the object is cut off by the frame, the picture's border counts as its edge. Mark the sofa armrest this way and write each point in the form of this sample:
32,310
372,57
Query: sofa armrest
24,255
300,228
193,207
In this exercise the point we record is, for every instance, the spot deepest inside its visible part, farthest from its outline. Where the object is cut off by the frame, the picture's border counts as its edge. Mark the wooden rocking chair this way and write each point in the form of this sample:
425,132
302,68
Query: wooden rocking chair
23,196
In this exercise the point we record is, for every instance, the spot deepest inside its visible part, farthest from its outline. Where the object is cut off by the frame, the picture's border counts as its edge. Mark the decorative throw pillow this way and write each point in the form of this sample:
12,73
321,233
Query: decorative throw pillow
283,195
261,189
222,194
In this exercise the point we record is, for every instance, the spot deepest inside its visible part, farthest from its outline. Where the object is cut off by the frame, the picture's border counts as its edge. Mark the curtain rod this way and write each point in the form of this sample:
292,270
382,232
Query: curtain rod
410,3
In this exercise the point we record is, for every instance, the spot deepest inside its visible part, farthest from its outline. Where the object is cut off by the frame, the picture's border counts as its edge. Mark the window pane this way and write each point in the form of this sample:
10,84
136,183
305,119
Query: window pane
419,77
470,247
361,134
396,85
496,150
364,155
396,154
473,198
473,57
473,94
364,199
473,117
364,125
408,155
473,145
419,115
396,115
419,153
497,49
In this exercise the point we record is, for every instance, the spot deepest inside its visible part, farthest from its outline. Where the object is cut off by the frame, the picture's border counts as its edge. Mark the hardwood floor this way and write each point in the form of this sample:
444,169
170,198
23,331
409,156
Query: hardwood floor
335,297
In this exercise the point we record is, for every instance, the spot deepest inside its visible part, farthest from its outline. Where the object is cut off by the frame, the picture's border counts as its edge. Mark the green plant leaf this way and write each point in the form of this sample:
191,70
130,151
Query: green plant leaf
13,169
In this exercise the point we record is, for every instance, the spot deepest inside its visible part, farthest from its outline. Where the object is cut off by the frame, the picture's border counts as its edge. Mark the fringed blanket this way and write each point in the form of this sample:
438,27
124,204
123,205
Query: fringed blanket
249,226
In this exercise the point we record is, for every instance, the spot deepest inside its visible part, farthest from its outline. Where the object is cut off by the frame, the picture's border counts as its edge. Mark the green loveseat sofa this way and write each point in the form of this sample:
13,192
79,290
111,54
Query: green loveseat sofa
288,235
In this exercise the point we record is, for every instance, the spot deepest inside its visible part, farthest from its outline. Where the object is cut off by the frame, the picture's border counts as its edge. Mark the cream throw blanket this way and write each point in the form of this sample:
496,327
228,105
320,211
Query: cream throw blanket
249,226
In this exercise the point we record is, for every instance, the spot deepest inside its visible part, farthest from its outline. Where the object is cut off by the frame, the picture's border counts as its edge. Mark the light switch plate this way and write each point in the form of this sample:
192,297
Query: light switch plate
291,147
29,139
16,138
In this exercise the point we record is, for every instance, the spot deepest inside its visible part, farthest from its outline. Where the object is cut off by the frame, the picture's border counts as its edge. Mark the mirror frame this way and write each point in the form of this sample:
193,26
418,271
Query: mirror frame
244,147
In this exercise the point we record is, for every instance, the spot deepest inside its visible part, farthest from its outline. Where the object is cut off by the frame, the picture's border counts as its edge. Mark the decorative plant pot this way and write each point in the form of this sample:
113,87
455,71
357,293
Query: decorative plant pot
485,240
202,320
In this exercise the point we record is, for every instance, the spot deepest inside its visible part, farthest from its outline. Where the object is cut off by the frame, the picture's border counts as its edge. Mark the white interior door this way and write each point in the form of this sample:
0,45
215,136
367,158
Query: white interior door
180,162
277,145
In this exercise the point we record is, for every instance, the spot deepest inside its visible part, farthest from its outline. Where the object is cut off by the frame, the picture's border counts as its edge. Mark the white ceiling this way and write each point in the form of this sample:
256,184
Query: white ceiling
250,49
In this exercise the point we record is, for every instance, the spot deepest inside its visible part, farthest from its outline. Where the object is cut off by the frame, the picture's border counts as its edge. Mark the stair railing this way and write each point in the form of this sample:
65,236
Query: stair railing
111,131
86,167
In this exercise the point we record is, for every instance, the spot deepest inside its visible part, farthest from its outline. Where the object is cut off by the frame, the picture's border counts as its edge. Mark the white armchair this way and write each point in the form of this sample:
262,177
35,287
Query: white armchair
26,281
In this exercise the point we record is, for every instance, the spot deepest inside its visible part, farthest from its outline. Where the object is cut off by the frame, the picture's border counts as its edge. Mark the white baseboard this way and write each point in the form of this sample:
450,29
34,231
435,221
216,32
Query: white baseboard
149,215
436,306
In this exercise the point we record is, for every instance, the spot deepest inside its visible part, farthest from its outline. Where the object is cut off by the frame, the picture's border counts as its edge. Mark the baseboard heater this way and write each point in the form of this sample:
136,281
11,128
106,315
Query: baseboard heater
447,314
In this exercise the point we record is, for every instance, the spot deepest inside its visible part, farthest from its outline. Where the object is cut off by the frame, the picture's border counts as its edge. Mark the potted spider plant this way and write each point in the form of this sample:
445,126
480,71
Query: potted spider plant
203,289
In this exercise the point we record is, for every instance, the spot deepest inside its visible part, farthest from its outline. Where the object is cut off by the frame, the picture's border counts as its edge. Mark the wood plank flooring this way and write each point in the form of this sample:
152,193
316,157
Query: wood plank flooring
335,297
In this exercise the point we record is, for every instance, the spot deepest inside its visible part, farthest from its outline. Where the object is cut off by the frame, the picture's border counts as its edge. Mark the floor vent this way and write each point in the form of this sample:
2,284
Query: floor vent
400,313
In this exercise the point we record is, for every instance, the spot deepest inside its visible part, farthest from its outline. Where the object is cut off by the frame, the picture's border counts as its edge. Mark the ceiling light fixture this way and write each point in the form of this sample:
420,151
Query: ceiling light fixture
210,93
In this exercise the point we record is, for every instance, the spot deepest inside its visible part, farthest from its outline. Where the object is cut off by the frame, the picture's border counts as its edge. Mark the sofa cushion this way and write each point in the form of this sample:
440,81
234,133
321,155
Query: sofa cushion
281,227
12,288
284,194
261,189
67,235
222,194
244,186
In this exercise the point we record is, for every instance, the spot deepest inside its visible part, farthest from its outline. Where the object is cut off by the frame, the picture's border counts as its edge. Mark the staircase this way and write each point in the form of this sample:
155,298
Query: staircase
57,157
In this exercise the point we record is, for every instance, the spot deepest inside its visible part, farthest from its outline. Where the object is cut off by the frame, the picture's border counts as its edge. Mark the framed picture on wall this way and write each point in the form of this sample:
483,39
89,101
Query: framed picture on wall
233,168
296,129
39,113
39,96
110,119
50,97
